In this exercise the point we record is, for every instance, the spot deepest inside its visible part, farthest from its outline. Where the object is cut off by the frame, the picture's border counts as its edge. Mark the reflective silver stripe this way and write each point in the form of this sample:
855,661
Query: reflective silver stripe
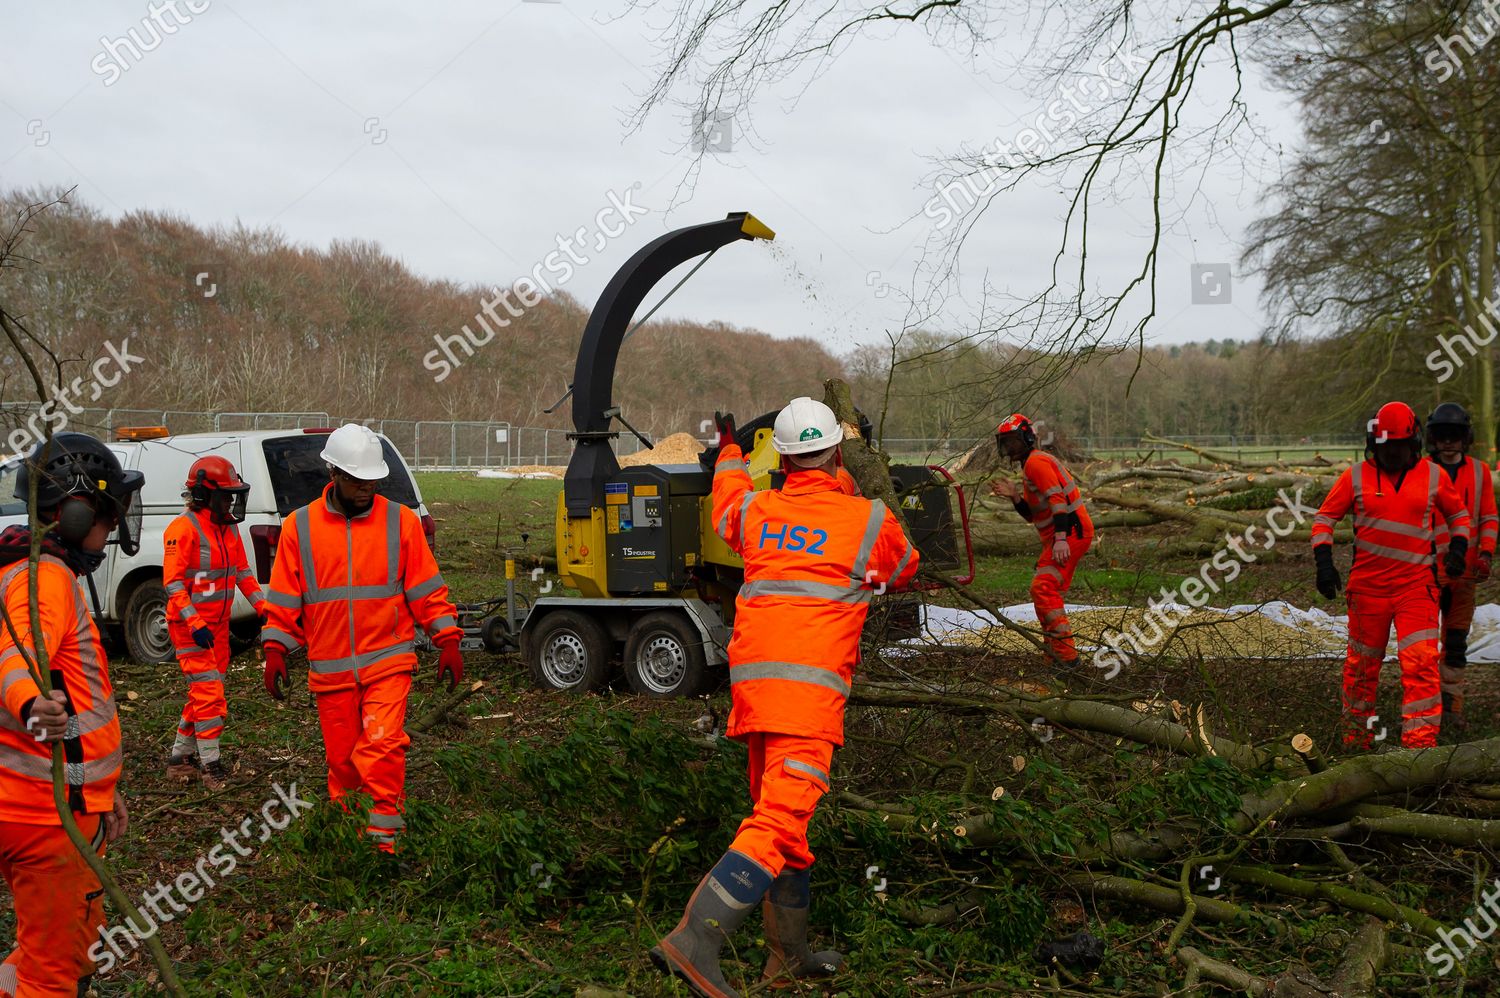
1356,478
734,464
1393,526
380,838
217,596
8,981
186,613
1052,570
800,587
79,724
1052,615
867,542
361,661
1366,651
723,525
39,767
1421,706
393,573
790,671
189,650
175,587
302,520
804,767
1323,520
1428,721
425,588
442,623
281,637
901,565
284,601
244,573
208,725
1395,554
1055,490
1417,637
745,511
391,821
211,676
255,595
342,594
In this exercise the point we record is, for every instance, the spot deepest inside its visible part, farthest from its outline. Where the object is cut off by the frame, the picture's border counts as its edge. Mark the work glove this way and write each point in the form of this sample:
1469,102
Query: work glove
203,638
724,423
1482,570
1329,582
277,680
450,662
1457,558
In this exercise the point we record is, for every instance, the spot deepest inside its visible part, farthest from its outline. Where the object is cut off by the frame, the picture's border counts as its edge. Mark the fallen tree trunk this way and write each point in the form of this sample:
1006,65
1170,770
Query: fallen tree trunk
1363,961
1163,899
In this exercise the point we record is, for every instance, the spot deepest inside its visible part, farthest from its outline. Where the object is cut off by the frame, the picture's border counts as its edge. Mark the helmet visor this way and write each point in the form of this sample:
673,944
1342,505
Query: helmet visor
228,505
127,503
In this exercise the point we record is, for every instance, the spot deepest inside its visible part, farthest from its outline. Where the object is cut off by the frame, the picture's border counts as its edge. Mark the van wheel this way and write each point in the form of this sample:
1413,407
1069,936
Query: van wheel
146,635
664,656
569,650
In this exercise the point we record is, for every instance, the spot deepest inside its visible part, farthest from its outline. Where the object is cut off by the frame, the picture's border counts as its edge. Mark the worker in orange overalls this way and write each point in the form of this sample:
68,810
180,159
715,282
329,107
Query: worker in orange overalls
204,561
1050,499
1397,497
1450,434
813,555
352,578
84,495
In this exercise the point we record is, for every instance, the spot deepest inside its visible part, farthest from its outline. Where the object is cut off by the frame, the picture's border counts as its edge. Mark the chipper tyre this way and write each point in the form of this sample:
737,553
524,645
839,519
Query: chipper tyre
664,657
569,651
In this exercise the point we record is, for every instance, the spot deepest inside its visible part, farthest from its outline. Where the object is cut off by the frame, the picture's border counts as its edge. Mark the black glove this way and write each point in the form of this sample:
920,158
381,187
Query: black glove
1457,558
203,638
1329,582
724,423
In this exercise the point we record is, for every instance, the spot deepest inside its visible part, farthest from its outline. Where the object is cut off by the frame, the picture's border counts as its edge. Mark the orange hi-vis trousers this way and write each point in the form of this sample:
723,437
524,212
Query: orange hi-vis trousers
365,739
1414,611
788,776
1047,587
59,908
205,669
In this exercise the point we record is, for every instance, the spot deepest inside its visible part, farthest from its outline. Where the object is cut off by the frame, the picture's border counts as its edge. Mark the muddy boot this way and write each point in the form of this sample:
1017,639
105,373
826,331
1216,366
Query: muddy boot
182,768
786,911
215,776
716,910
1455,663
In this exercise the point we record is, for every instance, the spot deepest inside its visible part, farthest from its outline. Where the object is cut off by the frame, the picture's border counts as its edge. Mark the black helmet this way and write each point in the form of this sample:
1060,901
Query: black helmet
1449,415
75,464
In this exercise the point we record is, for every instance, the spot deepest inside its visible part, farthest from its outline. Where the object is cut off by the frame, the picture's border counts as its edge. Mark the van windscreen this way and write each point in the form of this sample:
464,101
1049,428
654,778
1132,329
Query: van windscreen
299,475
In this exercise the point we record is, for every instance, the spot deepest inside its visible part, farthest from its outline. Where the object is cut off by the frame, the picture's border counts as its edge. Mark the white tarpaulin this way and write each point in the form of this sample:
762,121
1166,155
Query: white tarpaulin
1312,633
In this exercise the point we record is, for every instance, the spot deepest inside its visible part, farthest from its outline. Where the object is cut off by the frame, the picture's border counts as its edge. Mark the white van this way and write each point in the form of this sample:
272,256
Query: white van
284,472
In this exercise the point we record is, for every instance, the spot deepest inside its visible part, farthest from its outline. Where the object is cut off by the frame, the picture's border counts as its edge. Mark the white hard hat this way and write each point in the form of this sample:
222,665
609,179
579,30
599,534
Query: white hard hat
804,426
355,450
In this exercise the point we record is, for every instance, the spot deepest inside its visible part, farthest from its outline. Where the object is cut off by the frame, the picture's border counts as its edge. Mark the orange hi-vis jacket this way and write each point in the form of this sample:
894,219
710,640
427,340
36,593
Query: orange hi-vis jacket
75,657
202,564
1477,490
1395,526
352,589
1048,488
813,558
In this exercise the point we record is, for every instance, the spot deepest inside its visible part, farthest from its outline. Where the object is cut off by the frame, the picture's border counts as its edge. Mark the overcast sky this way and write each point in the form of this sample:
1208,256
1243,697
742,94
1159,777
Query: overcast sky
464,137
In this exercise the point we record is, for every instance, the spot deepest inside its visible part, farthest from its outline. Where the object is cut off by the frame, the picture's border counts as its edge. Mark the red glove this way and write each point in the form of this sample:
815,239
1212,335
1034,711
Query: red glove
276,677
1482,570
724,423
450,661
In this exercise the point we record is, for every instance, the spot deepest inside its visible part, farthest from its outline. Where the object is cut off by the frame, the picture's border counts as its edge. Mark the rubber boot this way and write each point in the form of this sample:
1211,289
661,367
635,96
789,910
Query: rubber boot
786,910
715,912
1455,662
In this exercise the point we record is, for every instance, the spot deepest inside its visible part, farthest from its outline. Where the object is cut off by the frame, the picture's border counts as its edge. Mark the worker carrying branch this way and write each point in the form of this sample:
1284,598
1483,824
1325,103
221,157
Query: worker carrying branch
202,564
814,555
352,578
1050,499
82,497
1450,434
1398,498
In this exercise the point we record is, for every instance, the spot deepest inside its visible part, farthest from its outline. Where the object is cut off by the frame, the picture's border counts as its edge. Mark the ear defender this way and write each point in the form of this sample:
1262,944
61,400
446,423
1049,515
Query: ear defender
75,518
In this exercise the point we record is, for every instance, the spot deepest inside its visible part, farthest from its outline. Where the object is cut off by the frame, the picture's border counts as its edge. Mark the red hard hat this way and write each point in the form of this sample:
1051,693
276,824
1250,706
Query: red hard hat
214,472
1394,421
1014,423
